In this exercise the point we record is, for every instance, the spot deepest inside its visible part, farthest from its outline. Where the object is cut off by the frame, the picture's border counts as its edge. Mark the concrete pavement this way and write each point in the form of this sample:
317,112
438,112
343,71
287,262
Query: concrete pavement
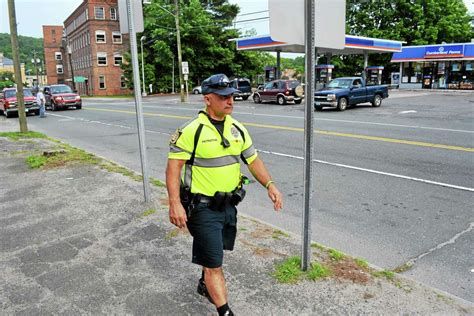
77,239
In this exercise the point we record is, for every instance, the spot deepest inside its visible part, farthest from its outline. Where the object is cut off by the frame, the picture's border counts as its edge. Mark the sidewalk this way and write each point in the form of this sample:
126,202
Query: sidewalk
78,239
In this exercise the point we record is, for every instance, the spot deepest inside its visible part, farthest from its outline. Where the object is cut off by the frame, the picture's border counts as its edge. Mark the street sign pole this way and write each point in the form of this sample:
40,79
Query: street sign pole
138,99
308,133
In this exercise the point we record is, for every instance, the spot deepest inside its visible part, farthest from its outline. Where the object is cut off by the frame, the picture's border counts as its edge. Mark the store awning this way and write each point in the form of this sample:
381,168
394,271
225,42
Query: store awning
443,52
354,45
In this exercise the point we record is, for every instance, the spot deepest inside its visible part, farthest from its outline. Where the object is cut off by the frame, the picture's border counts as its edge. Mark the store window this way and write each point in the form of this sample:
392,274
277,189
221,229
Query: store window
101,82
100,37
102,59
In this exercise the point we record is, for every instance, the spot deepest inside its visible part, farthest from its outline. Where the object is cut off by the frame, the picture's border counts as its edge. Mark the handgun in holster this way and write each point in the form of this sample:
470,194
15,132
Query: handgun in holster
186,198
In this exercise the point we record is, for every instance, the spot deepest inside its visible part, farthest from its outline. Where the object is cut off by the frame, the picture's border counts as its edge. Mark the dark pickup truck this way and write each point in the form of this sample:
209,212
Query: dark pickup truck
342,93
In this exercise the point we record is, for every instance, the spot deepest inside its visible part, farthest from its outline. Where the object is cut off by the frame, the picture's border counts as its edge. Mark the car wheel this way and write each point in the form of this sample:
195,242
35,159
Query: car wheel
37,113
245,98
342,104
298,101
78,107
53,106
195,91
281,100
7,115
377,101
256,98
318,108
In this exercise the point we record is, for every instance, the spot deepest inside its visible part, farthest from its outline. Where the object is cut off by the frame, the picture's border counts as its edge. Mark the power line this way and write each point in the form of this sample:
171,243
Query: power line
250,20
251,13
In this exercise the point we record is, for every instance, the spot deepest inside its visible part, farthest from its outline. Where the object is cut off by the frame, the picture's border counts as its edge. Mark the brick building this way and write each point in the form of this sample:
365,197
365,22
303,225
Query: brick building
53,53
93,44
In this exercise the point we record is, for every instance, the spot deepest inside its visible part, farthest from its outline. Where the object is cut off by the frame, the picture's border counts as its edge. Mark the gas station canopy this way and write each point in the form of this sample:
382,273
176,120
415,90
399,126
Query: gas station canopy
353,45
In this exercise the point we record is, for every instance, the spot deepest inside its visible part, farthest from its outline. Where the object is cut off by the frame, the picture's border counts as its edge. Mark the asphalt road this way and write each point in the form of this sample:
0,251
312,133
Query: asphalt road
392,184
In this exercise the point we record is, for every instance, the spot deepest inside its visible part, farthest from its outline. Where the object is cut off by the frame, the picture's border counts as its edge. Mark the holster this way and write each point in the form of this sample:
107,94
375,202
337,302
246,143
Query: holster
186,199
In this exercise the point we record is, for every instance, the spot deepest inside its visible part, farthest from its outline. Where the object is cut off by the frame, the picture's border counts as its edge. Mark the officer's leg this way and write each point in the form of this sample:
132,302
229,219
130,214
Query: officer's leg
215,283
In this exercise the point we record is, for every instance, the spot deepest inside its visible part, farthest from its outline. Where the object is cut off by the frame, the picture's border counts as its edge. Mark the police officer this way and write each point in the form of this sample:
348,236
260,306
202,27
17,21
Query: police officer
209,148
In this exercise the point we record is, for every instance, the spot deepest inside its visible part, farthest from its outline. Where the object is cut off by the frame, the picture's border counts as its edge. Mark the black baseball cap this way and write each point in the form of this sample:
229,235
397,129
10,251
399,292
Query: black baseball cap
218,84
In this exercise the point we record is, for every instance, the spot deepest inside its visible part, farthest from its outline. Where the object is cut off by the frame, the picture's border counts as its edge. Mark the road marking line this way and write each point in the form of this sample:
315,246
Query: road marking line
452,186
406,112
297,129
317,119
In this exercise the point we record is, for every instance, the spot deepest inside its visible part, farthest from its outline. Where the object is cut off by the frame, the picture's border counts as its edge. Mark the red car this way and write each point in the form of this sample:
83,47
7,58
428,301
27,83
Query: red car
61,96
8,102
280,91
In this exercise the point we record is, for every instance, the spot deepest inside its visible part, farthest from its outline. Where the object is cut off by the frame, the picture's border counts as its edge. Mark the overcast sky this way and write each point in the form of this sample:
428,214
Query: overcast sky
32,14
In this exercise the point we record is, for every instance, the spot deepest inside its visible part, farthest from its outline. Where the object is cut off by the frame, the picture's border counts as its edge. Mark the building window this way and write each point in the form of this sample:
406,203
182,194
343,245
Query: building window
123,83
99,13
117,37
113,13
117,59
100,37
87,14
58,56
88,38
101,82
102,59
53,32
59,69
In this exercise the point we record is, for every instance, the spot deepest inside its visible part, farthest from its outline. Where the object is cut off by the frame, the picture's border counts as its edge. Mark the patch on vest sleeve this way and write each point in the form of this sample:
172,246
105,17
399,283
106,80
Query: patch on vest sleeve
234,132
174,137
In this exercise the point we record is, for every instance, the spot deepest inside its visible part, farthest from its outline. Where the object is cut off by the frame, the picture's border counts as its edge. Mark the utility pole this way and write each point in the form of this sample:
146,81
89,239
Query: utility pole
180,59
69,52
16,62
35,62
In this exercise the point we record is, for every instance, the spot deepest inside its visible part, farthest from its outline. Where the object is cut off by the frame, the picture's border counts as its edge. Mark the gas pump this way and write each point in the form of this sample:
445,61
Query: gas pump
374,75
323,75
270,73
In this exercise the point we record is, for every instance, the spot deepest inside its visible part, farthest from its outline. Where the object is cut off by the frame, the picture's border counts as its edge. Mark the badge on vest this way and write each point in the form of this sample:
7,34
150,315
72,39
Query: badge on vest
235,132
174,137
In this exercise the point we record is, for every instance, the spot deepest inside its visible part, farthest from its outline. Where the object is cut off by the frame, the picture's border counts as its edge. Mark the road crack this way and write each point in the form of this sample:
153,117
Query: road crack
410,263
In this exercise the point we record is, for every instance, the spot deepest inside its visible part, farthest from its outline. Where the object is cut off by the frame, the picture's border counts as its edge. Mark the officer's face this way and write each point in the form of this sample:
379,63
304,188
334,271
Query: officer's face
219,106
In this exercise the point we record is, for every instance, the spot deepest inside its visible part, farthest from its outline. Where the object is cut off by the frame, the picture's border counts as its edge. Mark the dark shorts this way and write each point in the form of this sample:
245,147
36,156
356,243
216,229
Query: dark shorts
213,232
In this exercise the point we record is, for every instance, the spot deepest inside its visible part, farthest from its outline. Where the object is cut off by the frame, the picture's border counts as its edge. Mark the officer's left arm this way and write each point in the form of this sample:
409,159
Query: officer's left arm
259,171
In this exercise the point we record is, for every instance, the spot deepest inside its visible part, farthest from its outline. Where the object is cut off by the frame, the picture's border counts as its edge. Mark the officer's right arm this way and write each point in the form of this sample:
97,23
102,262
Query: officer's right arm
176,210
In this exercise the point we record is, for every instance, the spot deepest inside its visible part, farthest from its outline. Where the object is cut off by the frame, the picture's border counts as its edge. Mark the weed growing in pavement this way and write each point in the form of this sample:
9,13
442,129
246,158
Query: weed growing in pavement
157,183
318,246
318,271
112,167
404,267
389,275
35,161
17,135
277,234
289,271
172,234
336,255
147,213
243,229
361,263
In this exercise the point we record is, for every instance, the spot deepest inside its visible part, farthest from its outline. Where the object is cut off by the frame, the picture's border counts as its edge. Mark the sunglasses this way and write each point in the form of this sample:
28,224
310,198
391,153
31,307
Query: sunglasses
223,83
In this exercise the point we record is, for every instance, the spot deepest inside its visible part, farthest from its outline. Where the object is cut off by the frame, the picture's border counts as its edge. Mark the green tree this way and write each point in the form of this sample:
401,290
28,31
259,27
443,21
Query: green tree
6,79
206,30
27,46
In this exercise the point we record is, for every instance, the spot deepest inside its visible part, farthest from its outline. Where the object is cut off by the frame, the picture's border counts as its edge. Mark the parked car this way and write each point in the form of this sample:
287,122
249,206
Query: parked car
61,96
244,87
8,102
197,90
342,93
280,91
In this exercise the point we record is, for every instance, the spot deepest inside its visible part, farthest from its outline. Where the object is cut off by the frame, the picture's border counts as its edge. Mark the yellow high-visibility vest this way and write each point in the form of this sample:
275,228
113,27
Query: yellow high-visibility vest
215,168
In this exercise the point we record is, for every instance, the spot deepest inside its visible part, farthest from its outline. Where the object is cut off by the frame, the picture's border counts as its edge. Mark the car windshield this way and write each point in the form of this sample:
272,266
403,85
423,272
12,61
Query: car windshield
340,83
61,89
12,93
293,84
244,83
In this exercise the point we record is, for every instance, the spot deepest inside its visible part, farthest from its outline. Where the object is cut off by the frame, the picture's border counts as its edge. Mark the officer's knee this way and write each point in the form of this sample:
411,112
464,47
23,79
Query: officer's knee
213,271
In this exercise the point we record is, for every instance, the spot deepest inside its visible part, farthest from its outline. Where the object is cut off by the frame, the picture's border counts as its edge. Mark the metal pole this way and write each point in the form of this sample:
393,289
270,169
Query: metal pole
278,71
138,100
16,65
36,67
69,50
180,60
172,88
143,66
310,52
366,63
